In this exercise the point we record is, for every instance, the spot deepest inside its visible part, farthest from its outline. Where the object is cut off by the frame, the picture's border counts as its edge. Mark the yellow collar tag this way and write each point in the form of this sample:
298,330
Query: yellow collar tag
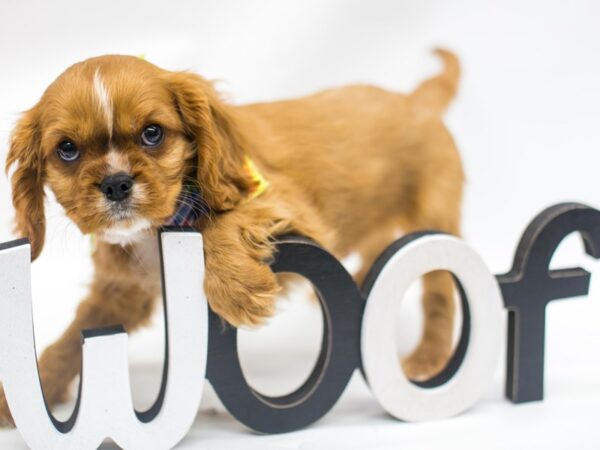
260,182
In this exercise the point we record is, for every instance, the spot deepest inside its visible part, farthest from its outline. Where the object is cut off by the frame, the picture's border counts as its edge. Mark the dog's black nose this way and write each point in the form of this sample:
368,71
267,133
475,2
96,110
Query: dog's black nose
117,187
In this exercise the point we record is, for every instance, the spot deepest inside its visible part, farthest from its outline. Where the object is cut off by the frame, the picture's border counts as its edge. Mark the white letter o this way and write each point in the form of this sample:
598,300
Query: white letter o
395,392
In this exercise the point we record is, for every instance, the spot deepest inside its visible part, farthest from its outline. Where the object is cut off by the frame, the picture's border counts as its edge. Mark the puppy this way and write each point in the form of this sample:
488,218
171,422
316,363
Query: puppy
124,145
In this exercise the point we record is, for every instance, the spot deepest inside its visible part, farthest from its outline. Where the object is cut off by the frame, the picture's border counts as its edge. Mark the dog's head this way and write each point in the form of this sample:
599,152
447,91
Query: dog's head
116,138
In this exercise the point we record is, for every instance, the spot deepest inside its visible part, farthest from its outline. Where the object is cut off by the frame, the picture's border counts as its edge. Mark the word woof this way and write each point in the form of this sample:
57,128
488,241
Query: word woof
358,333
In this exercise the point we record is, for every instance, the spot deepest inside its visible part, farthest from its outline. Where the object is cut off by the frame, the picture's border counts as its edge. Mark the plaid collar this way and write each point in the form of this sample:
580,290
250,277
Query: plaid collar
191,206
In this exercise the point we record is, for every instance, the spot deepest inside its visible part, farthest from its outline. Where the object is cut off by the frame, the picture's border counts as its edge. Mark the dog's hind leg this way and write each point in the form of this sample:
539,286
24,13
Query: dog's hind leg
435,347
437,206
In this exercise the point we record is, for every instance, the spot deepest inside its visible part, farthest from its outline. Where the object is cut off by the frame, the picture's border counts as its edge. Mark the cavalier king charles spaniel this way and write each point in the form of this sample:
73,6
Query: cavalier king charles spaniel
127,147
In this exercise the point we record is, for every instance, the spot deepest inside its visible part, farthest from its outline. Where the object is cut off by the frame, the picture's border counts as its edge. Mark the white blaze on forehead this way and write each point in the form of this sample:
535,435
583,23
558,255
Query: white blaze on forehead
117,161
104,102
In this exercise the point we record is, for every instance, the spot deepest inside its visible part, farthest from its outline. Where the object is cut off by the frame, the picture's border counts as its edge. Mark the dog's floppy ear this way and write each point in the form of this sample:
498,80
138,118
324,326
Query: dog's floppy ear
213,128
27,182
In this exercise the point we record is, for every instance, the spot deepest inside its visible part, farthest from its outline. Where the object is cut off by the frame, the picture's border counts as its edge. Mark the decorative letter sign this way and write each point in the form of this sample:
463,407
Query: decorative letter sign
104,407
342,305
358,334
414,258
530,286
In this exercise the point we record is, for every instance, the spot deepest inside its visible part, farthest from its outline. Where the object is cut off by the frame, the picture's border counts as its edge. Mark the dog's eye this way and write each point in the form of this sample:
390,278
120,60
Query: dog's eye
67,151
152,136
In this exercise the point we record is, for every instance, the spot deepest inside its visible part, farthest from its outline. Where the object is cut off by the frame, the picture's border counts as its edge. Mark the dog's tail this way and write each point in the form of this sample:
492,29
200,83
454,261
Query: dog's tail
434,94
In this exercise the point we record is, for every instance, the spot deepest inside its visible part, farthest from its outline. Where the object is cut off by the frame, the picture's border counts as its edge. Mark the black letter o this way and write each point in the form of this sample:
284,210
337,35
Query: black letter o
342,306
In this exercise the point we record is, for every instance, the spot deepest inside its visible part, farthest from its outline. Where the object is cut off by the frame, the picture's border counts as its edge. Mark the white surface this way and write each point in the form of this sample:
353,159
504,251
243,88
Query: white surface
526,122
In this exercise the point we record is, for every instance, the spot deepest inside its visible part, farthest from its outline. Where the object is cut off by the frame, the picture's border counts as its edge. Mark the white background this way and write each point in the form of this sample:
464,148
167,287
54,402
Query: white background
526,121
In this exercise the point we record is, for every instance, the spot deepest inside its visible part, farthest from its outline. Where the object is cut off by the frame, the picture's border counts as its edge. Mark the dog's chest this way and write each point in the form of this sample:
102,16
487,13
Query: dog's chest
147,258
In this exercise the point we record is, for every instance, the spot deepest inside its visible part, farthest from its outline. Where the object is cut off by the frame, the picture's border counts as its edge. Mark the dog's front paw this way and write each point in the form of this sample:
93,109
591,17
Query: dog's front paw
6,420
243,298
